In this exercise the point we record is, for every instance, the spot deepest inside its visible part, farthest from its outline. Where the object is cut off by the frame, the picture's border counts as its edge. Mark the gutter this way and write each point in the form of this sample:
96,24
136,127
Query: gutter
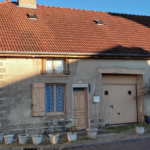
12,54
81,54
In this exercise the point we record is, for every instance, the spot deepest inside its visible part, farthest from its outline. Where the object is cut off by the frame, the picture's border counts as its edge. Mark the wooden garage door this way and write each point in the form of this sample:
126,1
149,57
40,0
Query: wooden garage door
80,108
119,104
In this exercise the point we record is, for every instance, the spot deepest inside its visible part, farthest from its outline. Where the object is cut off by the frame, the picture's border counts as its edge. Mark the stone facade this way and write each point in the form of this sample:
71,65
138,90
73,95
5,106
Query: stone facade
17,75
3,94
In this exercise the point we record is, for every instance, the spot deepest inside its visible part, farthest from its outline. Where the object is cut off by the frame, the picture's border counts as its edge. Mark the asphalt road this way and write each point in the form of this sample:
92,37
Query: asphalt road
134,145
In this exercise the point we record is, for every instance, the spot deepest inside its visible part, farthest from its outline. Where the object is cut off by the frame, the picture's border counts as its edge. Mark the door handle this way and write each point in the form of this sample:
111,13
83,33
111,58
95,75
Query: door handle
111,106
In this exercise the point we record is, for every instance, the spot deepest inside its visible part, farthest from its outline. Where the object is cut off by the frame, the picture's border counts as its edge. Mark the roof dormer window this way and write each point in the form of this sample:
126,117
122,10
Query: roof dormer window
32,16
99,22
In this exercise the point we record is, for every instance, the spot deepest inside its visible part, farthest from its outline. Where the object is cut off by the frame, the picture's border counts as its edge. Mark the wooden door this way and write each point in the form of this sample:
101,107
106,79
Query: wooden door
119,104
80,109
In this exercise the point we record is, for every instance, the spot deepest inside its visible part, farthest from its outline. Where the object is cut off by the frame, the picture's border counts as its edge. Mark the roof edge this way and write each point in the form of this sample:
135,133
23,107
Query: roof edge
80,54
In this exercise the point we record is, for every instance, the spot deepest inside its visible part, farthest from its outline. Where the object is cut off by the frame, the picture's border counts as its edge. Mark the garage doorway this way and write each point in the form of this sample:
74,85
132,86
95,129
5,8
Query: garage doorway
119,92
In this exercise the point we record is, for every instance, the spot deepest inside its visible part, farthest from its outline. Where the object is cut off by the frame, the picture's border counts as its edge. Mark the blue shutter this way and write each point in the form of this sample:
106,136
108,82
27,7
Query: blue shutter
49,98
59,98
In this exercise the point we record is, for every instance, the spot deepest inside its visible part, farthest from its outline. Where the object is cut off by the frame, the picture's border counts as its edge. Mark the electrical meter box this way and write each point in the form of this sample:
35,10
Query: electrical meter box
96,99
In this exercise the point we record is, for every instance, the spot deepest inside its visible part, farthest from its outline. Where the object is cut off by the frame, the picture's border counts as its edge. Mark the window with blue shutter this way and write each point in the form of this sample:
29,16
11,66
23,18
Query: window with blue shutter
59,98
49,99
54,95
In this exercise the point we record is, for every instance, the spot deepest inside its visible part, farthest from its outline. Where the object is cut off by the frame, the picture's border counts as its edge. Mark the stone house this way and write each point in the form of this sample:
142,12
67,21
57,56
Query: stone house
61,67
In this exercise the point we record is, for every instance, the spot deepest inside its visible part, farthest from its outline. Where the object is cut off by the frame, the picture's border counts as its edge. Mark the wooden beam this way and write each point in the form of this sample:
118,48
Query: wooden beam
72,56
40,56
121,71
66,65
44,65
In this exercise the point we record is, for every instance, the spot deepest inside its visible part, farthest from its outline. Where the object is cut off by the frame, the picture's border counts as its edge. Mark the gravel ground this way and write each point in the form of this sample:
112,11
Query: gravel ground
82,140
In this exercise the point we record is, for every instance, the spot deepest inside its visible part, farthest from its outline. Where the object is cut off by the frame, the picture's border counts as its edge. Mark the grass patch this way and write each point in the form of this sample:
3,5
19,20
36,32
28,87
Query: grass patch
62,140
123,128
82,138
119,129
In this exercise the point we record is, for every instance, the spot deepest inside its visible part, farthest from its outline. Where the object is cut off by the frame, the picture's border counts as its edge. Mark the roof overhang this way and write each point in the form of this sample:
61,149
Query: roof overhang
71,55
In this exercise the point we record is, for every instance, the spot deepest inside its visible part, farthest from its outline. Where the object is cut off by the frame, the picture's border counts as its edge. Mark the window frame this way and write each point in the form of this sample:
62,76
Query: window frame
66,67
54,99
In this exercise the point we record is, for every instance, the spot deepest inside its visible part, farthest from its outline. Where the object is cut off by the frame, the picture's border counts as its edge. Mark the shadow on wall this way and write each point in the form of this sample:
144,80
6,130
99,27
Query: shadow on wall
144,20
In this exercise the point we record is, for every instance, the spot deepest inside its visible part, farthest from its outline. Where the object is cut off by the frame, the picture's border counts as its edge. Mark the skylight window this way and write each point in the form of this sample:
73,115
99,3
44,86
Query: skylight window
99,22
32,16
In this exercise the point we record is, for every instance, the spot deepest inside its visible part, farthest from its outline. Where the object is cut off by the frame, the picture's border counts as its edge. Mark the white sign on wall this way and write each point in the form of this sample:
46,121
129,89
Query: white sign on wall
96,99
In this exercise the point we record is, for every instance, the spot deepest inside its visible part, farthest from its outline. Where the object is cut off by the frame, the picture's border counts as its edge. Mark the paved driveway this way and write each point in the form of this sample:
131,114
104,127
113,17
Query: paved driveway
134,145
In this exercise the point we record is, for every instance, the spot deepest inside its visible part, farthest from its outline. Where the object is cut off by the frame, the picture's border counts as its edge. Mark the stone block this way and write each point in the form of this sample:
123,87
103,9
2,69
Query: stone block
1,89
3,59
44,124
28,125
1,63
61,128
55,122
61,123
68,124
3,70
35,131
2,83
5,114
2,95
1,77
3,108
2,102
6,122
1,115
51,123
11,127
50,130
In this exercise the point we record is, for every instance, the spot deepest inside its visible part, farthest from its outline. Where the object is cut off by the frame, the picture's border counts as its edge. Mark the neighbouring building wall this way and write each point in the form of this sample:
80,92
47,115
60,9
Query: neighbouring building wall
17,75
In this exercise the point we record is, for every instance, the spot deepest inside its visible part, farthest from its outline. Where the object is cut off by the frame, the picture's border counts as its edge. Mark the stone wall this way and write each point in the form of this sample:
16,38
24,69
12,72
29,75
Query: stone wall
44,128
3,94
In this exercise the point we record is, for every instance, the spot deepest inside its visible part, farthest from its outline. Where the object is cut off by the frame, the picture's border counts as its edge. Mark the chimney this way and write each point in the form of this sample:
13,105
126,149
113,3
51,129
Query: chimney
27,3
8,0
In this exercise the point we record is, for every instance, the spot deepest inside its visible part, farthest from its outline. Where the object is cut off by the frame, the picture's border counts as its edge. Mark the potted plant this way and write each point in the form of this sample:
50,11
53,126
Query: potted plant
37,139
1,134
72,135
54,137
8,138
92,132
23,137
140,129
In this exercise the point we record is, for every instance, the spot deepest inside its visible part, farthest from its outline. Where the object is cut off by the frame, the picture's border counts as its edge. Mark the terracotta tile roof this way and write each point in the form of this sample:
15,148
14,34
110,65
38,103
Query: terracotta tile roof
65,30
